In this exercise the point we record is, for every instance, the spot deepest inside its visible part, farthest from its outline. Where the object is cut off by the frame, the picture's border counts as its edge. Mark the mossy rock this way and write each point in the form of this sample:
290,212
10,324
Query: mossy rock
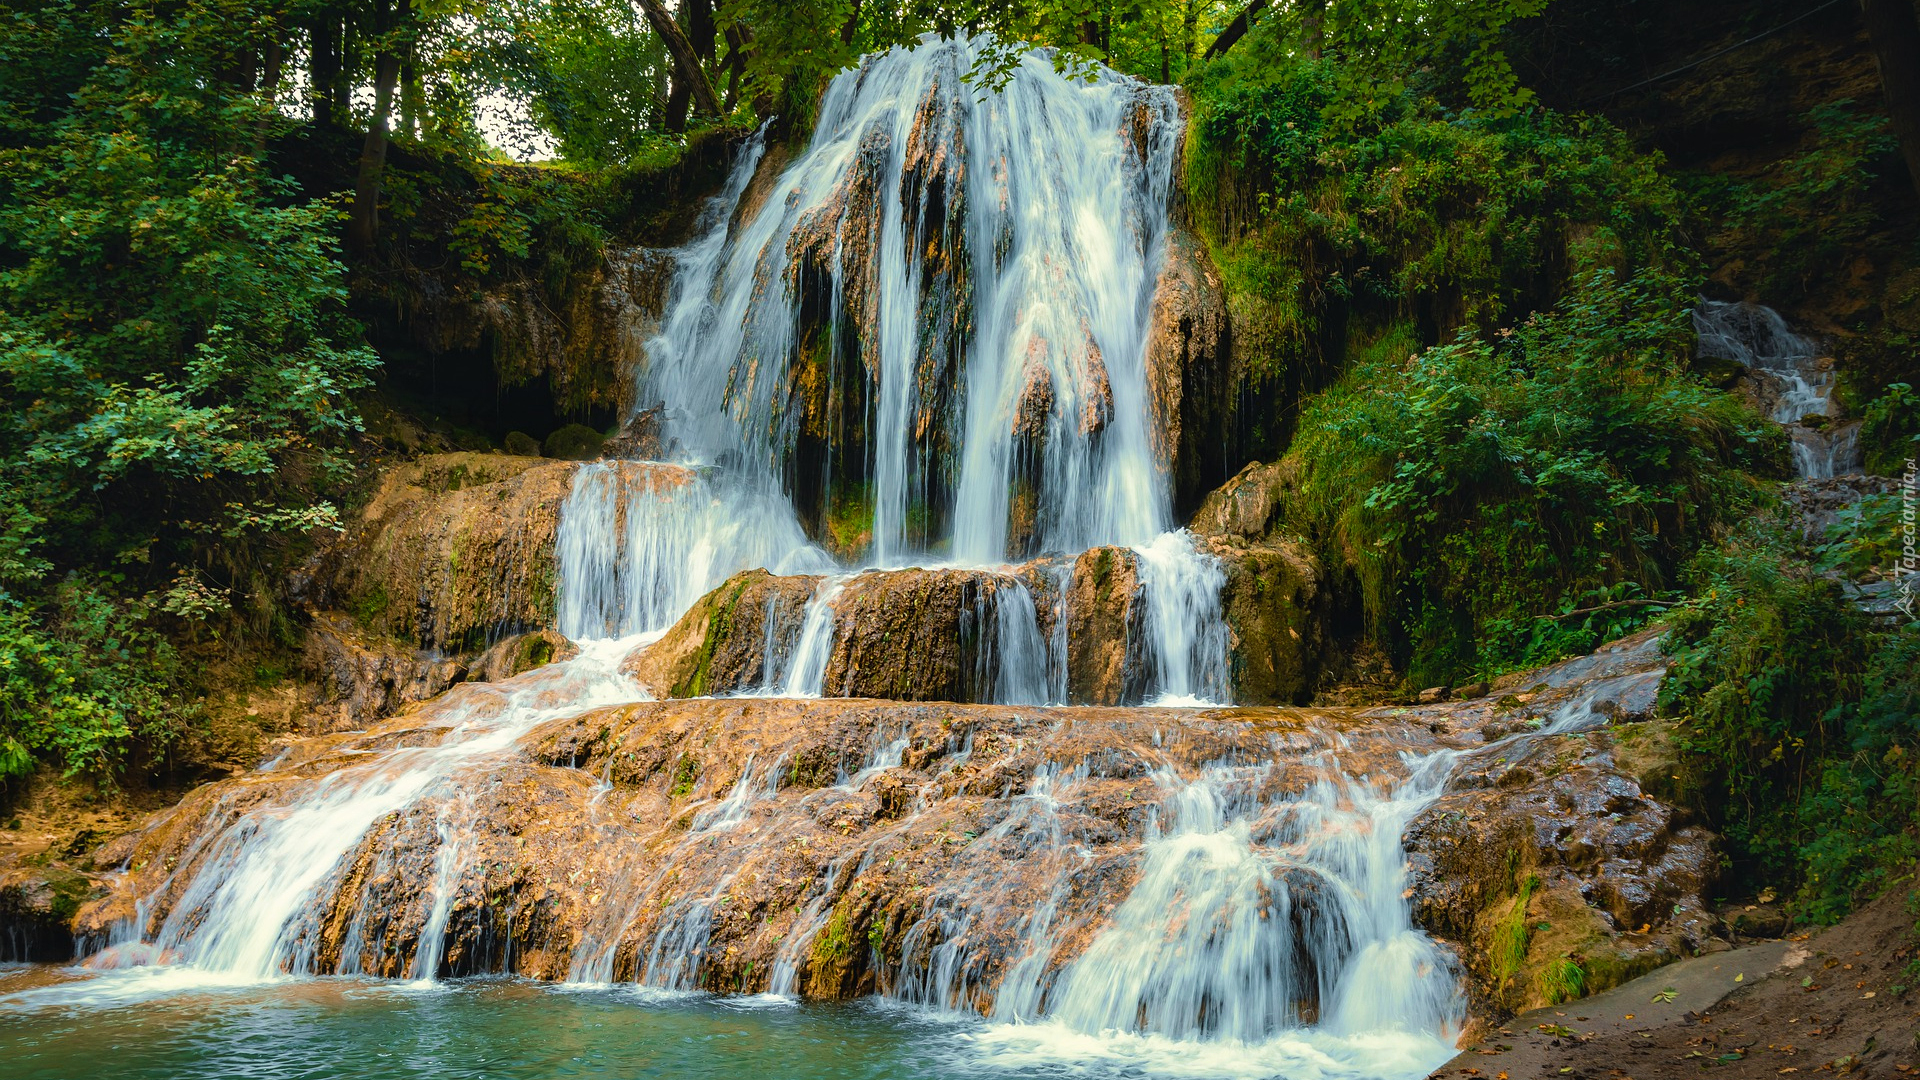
520,444
575,442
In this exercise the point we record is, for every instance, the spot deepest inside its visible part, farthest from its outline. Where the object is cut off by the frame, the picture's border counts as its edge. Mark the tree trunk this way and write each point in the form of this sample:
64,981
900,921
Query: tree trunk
1894,32
700,29
413,99
679,97
736,63
364,224
686,63
1236,29
272,60
1313,27
323,68
851,28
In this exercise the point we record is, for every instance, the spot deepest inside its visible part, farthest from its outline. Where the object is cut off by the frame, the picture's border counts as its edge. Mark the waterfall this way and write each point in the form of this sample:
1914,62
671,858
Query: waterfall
1758,338
936,312
933,323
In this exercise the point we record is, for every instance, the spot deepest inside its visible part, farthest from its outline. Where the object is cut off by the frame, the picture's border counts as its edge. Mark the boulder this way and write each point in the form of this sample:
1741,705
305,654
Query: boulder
1276,611
1249,505
1104,616
722,644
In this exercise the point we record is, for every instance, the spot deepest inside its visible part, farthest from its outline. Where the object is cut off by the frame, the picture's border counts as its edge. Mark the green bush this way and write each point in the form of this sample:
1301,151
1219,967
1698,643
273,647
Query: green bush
1335,210
176,367
1801,717
1474,488
1890,431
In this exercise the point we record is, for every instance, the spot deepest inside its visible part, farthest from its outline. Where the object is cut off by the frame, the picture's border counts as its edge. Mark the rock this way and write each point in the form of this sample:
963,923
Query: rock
1104,616
37,909
1187,358
585,346
574,442
1432,694
939,635
1250,504
720,645
922,635
453,552
363,678
1560,874
521,653
520,444
1276,613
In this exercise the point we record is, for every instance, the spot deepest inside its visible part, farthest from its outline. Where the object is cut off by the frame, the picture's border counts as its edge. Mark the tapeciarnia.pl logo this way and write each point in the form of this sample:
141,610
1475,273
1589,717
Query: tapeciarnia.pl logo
1909,561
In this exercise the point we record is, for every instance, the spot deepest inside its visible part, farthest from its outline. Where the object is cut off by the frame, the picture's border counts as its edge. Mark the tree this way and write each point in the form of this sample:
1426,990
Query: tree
1894,33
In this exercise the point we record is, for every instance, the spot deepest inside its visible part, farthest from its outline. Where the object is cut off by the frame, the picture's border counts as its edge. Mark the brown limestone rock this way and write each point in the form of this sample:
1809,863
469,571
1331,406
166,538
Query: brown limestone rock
720,645
451,550
1558,873
1276,615
1103,622
1250,505
1187,360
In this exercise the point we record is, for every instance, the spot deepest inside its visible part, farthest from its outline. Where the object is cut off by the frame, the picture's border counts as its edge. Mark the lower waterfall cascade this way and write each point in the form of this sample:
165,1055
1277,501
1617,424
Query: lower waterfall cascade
996,410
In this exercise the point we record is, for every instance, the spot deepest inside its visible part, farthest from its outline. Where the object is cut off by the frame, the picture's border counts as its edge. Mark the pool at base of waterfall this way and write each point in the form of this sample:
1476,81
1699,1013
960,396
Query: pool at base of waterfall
146,1024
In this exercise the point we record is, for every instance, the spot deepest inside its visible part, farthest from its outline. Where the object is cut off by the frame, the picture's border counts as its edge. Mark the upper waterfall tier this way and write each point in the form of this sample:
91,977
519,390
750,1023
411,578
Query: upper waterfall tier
930,331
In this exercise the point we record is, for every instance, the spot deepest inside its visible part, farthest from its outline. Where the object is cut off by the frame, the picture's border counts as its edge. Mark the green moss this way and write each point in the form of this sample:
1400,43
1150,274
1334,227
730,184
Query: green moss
720,605
684,774
1561,981
834,942
849,524
574,442
1507,943
369,605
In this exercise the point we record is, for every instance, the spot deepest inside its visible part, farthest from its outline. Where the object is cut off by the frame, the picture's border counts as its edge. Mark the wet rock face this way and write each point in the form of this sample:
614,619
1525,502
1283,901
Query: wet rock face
1276,612
454,551
1188,376
949,634
37,908
1564,865
722,644
1104,626
1249,505
737,836
844,847
585,347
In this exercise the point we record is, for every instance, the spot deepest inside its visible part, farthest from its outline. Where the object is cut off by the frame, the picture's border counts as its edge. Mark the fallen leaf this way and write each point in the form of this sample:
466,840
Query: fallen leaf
1665,996
1742,977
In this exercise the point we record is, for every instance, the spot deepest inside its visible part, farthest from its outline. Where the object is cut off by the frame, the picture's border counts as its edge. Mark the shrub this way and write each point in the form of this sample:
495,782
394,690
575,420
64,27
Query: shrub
1569,462
1801,717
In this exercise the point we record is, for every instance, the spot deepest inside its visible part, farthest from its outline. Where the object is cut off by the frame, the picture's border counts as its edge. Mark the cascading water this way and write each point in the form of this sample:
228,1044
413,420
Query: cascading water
1757,337
935,321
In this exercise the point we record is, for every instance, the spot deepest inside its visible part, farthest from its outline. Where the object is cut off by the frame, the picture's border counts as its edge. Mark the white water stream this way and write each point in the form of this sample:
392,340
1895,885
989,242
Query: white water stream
1757,337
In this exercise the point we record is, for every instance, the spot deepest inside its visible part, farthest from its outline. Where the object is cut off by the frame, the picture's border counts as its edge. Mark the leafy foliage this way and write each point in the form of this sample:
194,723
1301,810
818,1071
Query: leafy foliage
1802,716
175,365
1475,487
1333,217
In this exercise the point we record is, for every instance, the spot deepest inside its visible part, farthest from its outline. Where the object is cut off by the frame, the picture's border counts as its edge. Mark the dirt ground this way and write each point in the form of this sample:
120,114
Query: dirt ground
1837,1001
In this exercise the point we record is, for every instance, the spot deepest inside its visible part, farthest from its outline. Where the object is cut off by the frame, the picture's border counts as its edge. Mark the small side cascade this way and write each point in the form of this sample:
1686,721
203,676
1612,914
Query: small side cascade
1799,382
1186,633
